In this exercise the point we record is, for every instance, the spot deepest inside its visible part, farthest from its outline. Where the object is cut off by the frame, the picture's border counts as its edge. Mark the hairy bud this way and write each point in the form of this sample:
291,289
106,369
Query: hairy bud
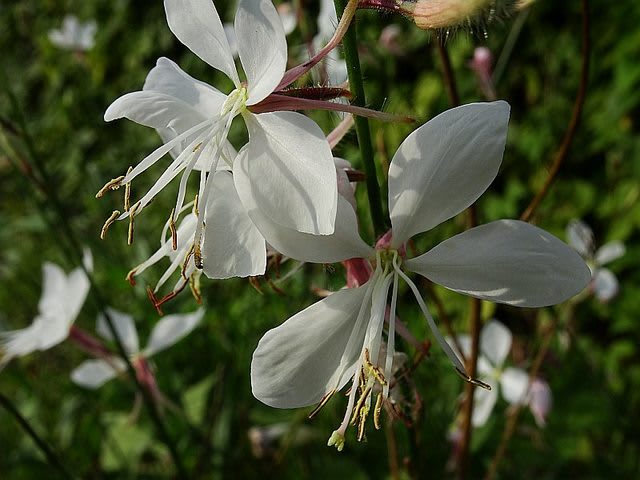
434,14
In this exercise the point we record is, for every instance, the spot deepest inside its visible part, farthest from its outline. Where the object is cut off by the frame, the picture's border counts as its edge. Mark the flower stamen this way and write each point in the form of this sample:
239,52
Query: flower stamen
105,228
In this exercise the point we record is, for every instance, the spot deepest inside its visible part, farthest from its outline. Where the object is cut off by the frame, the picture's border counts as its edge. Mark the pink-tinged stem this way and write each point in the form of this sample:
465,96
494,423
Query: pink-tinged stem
294,73
276,102
88,343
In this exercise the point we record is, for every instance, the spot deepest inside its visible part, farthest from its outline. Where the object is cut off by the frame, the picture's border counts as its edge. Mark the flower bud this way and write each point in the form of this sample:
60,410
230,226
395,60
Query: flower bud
433,14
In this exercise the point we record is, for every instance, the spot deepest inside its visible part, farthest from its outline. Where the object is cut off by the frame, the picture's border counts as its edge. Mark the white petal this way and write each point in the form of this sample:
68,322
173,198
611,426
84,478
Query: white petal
514,383
297,363
605,284
495,342
125,327
344,243
580,237
287,172
53,289
171,329
94,373
197,25
483,403
76,290
506,261
154,109
262,47
609,252
445,165
168,78
233,246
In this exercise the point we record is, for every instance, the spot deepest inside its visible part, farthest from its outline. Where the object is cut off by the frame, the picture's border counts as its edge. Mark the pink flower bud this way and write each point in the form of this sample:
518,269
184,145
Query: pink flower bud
540,401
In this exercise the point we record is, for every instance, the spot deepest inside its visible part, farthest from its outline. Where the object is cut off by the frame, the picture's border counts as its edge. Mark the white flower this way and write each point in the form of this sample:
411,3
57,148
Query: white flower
495,345
438,171
168,331
604,282
62,298
286,167
74,35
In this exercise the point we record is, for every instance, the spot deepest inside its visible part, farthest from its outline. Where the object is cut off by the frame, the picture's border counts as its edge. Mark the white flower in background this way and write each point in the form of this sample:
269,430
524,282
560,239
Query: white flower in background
437,172
495,345
74,35
604,283
286,167
540,400
62,298
168,331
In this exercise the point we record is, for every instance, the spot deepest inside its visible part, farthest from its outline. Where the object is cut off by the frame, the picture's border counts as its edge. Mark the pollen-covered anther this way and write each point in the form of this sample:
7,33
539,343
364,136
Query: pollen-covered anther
105,228
377,410
372,370
127,193
194,286
173,230
322,403
132,213
185,262
113,184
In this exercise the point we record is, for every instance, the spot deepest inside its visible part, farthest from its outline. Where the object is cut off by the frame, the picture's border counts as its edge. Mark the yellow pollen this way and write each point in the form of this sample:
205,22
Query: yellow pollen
108,222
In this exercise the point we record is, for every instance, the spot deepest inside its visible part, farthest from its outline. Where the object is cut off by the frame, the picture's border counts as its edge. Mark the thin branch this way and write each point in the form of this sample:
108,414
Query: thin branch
572,128
42,445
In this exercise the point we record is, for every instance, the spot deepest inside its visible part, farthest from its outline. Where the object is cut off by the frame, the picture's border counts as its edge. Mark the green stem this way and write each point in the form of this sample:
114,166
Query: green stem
52,458
356,86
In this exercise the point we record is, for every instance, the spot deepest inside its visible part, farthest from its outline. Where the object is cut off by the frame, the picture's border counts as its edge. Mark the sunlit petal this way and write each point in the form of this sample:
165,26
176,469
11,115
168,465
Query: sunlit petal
506,261
170,330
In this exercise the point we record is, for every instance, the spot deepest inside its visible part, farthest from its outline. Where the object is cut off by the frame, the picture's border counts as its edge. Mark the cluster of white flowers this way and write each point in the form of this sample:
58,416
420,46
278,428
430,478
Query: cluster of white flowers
284,189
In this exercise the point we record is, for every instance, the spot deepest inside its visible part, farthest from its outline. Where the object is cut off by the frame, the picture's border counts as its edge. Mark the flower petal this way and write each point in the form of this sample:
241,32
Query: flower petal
445,165
171,329
287,172
344,243
483,403
495,342
299,362
95,373
609,252
233,246
514,383
125,327
262,47
580,237
197,25
506,261
605,284
168,78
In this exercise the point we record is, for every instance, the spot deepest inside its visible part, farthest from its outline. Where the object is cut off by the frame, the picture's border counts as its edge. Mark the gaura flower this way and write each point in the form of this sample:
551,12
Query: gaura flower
286,167
62,298
168,331
604,283
234,247
495,345
437,172
74,35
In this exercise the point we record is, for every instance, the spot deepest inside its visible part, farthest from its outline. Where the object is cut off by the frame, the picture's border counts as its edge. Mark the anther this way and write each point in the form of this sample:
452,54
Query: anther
377,410
185,262
172,228
363,419
360,405
195,210
472,381
113,184
127,192
132,213
105,228
194,285
322,403
131,277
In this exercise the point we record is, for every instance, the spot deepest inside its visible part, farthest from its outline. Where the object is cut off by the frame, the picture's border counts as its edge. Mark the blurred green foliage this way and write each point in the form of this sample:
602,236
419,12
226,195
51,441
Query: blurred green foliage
51,106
